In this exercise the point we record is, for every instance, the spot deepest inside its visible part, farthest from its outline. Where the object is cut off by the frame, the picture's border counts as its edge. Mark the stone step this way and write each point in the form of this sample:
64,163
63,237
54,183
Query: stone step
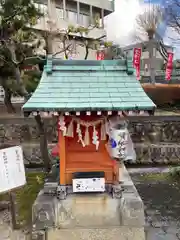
115,233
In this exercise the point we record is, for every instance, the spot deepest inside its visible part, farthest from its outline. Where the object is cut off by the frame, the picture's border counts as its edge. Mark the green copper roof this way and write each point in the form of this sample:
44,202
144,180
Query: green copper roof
83,85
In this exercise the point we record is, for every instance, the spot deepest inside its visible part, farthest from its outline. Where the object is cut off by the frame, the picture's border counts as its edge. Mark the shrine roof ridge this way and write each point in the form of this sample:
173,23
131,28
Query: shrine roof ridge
56,64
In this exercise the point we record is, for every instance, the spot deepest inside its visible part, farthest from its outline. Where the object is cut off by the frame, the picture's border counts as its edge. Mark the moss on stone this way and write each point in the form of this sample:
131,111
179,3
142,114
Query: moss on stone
26,196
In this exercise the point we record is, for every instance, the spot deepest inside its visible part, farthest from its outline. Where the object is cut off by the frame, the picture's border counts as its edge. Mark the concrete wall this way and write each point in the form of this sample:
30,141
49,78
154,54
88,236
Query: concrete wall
156,139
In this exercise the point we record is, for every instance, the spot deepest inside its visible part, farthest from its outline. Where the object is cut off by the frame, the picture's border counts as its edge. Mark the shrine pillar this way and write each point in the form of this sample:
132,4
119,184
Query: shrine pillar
62,157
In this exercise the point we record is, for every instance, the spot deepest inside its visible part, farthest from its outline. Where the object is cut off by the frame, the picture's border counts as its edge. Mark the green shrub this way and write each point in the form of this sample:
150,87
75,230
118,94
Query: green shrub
175,172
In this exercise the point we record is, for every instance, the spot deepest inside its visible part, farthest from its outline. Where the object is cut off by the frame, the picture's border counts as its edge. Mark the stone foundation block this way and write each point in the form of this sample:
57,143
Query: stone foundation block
131,205
44,211
88,210
92,216
132,210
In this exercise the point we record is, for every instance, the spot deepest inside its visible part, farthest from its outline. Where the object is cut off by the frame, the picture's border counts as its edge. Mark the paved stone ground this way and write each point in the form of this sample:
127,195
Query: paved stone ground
6,232
162,207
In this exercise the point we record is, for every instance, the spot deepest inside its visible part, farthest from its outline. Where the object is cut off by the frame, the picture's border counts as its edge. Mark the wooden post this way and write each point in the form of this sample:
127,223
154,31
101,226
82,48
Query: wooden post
12,200
62,157
115,171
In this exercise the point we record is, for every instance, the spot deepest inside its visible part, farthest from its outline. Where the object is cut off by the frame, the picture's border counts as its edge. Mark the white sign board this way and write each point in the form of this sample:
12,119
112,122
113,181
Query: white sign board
12,171
89,185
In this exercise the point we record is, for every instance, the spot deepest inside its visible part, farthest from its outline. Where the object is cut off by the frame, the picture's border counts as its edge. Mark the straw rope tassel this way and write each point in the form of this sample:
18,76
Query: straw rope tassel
78,130
95,138
107,126
86,137
62,125
103,132
70,130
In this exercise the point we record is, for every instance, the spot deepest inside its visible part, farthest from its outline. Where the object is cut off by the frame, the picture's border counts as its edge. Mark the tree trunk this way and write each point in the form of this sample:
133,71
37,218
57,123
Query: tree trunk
7,98
40,124
43,143
87,53
17,74
20,83
7,101
151,59
42,131
151,34
64,47
49,43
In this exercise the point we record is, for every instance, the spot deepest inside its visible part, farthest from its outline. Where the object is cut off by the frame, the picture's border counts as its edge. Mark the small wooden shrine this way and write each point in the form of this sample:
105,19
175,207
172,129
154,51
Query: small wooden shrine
84,95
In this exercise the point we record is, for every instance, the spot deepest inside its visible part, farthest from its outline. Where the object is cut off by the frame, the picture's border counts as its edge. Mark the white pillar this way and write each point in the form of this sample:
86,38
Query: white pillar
102,18
91,15
64,9
78,12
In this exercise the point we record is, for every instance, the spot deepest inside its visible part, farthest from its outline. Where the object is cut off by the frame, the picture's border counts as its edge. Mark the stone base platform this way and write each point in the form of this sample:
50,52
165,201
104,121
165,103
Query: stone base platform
91,216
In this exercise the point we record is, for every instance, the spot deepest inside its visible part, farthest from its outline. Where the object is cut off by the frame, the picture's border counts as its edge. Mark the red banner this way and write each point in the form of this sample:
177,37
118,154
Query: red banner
100,55
169,66
137,61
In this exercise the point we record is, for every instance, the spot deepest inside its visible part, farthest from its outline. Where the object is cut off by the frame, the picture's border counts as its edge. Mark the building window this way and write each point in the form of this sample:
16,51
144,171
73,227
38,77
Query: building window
84,20
72,16
42,8
59,13
96,19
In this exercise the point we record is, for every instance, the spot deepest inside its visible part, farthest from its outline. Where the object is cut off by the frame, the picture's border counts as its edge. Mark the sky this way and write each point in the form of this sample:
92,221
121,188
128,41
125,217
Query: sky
120,25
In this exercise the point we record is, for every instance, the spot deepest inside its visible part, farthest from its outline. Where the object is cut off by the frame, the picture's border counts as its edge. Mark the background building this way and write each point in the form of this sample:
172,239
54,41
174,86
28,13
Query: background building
59,14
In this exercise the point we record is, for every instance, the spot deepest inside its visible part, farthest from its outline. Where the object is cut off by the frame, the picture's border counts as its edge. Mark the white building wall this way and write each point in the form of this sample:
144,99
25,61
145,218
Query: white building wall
77,52
58,22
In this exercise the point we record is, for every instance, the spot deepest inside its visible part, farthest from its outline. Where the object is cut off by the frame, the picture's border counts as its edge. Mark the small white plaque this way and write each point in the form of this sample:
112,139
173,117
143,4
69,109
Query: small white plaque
89,185
12,171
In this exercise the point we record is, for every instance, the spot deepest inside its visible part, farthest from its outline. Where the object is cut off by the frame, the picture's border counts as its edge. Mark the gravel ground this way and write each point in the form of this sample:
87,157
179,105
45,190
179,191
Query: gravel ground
162,206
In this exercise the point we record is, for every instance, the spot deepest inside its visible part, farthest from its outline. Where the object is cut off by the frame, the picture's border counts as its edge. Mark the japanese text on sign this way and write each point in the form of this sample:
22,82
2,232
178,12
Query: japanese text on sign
12,172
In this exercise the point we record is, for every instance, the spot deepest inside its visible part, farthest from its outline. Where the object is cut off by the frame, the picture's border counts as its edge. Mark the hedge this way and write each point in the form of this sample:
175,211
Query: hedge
163,94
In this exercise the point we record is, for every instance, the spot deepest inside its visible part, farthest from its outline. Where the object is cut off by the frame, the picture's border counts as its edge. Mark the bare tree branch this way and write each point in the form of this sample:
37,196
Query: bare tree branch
70,38
172,12
63,50
148,22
